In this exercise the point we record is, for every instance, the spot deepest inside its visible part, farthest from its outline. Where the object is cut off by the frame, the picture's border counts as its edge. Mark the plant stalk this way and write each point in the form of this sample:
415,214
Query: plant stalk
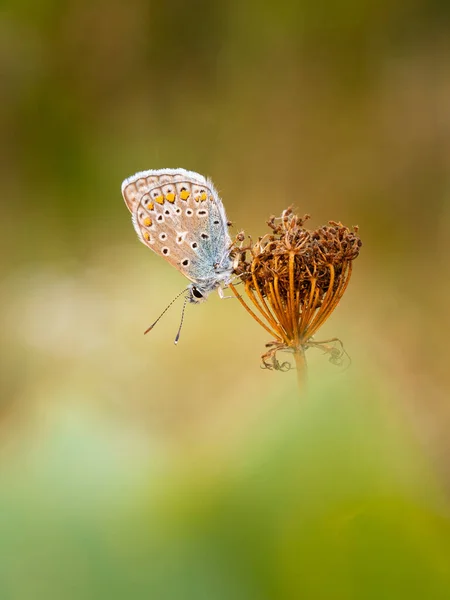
302,369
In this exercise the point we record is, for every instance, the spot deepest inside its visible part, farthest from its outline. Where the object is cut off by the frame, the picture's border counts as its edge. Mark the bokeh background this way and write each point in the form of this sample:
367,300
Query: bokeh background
131,468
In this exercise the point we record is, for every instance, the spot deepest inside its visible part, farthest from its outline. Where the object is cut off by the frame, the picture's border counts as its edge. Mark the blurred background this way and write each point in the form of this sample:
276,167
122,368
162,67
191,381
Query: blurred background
131,468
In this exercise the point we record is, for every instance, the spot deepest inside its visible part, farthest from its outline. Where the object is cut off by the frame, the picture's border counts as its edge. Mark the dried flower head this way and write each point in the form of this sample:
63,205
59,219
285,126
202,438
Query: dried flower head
294,279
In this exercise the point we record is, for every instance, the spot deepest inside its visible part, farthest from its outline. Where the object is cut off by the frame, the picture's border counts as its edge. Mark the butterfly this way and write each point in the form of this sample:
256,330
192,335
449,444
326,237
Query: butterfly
179,215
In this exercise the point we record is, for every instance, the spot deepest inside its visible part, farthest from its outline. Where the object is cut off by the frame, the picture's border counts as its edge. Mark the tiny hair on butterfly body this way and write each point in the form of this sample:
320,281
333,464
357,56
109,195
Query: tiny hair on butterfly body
179,215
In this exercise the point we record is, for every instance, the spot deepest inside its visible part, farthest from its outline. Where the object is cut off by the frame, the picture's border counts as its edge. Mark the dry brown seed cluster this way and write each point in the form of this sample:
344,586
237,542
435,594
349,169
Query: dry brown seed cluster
294,279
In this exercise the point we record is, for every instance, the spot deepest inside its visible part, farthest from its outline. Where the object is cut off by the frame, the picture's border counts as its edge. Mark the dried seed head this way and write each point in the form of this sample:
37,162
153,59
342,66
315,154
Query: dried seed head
294,279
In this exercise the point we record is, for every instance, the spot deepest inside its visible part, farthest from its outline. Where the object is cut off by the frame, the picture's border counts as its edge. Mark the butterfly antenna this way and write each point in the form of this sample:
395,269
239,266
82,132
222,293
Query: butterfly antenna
182,318
165,310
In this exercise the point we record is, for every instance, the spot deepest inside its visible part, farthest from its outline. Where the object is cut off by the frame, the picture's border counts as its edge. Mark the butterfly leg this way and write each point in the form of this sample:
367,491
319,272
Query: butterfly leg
221,295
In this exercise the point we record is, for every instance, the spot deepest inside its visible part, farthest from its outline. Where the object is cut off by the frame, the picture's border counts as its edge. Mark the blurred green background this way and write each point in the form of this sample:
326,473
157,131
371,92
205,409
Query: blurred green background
131,468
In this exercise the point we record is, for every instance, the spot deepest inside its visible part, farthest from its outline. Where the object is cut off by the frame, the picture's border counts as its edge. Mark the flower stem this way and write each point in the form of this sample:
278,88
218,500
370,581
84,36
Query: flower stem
300,363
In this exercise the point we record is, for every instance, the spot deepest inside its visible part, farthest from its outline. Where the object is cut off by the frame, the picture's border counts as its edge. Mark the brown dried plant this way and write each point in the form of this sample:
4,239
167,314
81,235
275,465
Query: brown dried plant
294,278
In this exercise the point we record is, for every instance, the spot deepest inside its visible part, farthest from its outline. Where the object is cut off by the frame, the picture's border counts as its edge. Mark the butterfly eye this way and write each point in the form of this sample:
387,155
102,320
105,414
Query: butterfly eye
196,293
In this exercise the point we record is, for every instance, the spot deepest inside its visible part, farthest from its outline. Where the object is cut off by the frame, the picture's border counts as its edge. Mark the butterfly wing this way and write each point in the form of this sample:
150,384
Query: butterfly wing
179,215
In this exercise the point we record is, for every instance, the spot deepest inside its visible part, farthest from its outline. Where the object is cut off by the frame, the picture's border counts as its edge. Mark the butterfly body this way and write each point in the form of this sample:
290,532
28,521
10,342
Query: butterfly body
179,215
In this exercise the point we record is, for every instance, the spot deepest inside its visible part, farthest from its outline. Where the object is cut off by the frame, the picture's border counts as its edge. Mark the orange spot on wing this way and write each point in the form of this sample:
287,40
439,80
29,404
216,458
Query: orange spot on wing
148,222
146,235
184,195
170,197
159,199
